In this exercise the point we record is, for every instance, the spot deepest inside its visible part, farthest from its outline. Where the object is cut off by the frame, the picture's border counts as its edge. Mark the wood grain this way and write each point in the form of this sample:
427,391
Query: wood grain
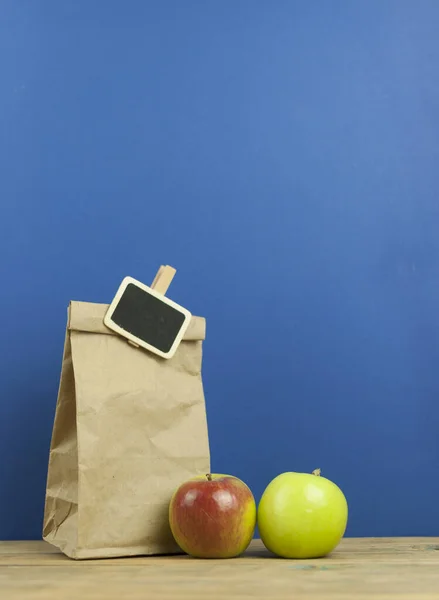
360,569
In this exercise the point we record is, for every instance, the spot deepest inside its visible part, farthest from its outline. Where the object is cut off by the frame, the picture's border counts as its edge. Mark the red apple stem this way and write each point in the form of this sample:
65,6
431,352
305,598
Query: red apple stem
209,477
317,472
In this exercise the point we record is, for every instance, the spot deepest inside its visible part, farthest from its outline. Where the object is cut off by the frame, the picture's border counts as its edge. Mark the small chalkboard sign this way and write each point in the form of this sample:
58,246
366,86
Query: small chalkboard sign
145,317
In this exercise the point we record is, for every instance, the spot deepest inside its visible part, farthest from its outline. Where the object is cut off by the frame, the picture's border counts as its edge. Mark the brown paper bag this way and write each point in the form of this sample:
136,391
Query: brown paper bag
129,427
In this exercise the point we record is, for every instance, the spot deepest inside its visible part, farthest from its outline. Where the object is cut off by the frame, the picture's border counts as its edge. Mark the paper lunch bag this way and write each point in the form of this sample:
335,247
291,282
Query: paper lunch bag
129,428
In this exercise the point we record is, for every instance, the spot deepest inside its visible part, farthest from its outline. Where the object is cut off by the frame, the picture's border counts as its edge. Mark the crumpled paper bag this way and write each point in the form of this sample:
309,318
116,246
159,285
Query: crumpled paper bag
129,428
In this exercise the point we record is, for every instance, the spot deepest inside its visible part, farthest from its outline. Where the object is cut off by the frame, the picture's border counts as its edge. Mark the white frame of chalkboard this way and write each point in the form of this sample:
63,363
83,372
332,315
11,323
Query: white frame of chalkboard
129,336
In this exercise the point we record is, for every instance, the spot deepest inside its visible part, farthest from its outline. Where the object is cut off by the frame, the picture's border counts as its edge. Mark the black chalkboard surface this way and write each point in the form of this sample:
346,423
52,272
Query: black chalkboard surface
147,318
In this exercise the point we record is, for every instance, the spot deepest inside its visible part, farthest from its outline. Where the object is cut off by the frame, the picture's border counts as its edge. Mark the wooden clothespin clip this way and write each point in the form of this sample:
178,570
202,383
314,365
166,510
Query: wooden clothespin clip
163,279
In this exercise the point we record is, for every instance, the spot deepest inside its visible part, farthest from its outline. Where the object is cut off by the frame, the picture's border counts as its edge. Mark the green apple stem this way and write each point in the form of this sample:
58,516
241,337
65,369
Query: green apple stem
317,472
209,477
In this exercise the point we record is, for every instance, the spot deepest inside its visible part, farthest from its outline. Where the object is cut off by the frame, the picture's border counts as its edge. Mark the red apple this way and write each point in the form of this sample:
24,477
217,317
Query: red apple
213,516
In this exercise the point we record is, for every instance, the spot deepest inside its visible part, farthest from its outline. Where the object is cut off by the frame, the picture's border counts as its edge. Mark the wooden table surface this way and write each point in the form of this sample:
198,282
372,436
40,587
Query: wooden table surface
360,569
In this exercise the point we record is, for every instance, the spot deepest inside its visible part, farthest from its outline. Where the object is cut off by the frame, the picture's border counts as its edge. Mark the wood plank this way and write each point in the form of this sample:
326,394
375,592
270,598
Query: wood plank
396,569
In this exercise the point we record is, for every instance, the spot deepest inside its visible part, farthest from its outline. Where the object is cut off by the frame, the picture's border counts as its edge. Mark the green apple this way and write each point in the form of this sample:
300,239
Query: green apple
302,515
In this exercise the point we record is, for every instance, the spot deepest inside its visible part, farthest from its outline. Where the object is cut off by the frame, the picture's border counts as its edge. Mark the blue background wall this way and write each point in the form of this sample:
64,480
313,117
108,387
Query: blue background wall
284,157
